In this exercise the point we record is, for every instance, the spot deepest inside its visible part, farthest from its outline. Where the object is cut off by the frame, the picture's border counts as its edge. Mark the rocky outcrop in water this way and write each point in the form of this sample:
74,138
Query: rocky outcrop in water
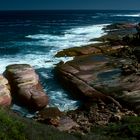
111,75
25,86
5,95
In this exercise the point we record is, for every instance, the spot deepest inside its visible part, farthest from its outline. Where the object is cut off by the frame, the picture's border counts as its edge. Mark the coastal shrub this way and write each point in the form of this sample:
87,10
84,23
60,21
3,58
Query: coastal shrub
10,128
127,129
14,127
110,132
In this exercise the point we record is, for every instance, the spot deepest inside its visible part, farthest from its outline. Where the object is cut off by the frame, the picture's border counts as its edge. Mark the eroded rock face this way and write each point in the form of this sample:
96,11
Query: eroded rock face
25,86
100,77
90,49
5,96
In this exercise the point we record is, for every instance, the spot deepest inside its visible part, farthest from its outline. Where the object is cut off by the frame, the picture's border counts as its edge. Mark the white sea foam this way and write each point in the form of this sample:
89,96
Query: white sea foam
73,37
128,15
46,60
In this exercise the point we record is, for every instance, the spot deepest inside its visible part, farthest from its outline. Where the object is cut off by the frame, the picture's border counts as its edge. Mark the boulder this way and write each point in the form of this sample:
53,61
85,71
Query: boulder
50,116
25,86
5,95
53,116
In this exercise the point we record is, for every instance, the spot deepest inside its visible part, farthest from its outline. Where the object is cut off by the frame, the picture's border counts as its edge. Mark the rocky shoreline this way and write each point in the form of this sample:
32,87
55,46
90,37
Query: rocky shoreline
104,76
106,73
110,72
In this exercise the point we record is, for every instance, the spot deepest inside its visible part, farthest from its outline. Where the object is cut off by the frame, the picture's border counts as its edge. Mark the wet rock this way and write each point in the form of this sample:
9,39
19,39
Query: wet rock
120,26
78,51
100,77
25,86
80,74
5,95
90,49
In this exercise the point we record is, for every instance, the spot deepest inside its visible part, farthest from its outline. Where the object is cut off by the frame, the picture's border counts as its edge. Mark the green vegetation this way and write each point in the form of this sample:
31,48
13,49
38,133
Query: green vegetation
127,129
13,127
10,128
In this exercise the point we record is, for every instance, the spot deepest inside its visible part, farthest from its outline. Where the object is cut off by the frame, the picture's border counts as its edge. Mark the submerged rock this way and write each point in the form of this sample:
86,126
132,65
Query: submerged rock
25,86
5,95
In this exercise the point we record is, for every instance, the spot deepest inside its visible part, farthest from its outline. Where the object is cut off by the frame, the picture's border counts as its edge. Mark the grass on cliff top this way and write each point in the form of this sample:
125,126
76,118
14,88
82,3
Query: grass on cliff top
10,128
13,127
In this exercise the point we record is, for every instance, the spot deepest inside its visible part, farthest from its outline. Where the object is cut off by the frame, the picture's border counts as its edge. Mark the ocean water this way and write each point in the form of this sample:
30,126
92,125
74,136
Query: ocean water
34,37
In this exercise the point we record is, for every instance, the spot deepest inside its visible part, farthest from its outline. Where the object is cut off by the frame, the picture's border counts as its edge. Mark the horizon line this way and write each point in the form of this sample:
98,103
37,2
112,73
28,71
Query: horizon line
69,10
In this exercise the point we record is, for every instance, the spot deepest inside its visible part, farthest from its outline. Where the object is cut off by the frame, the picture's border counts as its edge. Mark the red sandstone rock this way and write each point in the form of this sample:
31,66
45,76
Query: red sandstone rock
95,77
5,96
25,86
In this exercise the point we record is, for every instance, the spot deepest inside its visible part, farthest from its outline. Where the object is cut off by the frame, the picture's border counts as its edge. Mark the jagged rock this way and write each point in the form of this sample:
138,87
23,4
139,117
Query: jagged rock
49,116
25,86
5,95
95,115
53,116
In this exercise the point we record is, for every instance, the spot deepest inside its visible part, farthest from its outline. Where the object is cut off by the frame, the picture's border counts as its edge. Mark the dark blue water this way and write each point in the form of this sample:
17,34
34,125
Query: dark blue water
34,37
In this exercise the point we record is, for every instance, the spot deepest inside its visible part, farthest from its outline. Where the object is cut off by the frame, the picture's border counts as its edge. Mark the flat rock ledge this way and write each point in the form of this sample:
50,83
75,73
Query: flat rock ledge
25,86
93,78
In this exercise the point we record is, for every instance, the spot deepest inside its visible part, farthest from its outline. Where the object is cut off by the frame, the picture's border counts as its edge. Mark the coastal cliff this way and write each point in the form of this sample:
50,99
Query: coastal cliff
104,77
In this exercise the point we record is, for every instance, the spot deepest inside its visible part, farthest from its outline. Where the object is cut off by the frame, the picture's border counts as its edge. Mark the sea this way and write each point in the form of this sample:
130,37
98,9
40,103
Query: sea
34,37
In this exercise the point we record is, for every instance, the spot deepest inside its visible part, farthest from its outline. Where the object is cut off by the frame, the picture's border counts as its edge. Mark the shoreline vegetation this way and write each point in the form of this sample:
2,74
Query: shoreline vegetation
105,76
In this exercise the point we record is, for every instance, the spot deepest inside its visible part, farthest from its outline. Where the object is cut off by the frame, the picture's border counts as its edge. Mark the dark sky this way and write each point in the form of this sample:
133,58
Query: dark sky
69,4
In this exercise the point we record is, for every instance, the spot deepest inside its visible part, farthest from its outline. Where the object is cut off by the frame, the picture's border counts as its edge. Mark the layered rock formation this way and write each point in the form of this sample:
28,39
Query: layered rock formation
25,86
5,96
100,77
108,71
